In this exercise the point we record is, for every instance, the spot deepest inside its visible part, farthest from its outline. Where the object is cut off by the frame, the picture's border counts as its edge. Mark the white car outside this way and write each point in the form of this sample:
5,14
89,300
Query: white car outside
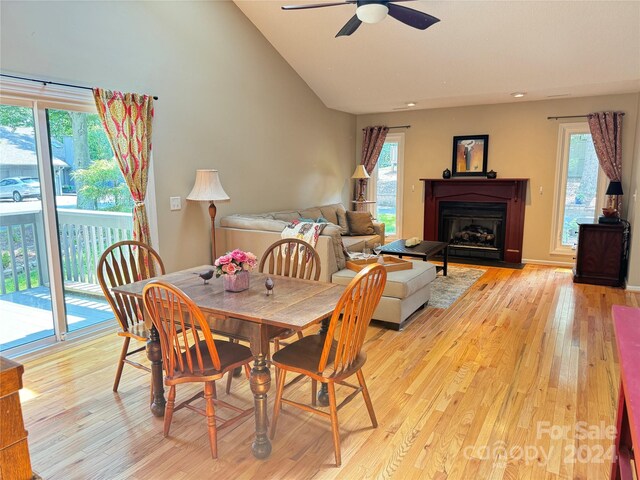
18,188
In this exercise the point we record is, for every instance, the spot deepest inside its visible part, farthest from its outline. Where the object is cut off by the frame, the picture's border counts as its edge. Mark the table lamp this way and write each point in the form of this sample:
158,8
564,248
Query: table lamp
209,189
361,175
613,190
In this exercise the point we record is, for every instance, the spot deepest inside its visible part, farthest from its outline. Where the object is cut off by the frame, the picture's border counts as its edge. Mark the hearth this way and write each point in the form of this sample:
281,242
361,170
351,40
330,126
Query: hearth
503,203
473,229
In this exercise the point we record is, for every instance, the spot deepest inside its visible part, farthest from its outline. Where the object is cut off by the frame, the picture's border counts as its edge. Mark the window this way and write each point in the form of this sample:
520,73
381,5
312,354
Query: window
579,186
387,185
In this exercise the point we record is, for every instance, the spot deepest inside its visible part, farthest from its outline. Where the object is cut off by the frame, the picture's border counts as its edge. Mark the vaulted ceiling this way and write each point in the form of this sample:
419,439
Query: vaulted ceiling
479,53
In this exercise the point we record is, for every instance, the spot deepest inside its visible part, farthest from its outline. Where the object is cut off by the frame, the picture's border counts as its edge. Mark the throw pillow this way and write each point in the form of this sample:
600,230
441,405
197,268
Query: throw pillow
342,220
308,220
329,212
360,223
313,212
322,220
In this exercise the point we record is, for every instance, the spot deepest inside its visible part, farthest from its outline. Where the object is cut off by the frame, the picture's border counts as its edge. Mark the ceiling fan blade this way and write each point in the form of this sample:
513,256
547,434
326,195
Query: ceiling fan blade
411,17
349,27
316,5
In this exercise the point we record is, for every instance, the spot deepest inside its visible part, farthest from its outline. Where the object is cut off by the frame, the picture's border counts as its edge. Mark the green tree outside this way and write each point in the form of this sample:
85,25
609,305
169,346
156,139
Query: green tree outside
102,185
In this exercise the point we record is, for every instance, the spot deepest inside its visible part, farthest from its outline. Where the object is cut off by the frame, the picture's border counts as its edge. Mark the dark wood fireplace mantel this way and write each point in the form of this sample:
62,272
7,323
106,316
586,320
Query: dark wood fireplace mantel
511,191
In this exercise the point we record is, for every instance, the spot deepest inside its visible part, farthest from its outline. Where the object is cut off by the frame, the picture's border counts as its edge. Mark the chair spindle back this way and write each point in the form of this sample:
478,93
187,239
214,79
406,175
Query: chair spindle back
291,257
356,307
122,263
182,329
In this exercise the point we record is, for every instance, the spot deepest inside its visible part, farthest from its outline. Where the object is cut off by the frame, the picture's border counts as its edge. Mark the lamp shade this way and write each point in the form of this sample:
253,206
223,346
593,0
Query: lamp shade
614,188
208,187
360,172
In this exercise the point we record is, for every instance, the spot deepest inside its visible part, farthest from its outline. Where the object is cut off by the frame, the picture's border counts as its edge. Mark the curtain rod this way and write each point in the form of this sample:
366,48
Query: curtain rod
47,82
573,116
399,126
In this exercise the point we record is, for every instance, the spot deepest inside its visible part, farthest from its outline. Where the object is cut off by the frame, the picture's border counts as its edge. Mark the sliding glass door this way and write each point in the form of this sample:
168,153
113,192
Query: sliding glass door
93,209
25,280
64,201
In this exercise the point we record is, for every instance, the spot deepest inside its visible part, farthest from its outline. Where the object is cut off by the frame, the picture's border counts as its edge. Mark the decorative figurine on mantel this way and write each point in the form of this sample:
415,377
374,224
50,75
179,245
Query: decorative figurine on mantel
268,283
206,276
446,173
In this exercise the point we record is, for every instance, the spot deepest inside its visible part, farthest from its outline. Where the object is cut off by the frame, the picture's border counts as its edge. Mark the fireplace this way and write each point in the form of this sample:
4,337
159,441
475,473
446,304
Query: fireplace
481,218
473,229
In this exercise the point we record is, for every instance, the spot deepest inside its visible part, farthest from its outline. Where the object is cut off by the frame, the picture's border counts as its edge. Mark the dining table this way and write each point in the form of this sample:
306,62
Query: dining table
255,315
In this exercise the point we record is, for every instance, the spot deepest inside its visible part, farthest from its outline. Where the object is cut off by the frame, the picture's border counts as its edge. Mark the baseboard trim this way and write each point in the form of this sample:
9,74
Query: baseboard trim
551,263
633,288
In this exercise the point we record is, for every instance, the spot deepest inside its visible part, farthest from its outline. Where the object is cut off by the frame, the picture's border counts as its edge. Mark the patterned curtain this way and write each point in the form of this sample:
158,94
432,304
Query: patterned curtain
606,131
372,142
127,119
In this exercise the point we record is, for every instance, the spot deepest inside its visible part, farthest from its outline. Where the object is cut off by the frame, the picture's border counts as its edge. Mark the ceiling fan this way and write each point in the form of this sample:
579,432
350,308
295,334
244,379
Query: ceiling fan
374,11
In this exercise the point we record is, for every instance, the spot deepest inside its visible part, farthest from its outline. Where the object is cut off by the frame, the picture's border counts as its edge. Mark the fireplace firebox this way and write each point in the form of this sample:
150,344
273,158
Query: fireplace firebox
473,229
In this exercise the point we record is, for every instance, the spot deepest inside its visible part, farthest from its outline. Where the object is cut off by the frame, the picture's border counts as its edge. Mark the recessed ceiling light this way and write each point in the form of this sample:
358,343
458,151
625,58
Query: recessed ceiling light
411,104
518,94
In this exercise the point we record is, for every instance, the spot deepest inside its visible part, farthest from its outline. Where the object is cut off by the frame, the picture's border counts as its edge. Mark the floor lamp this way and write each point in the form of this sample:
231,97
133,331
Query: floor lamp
209,189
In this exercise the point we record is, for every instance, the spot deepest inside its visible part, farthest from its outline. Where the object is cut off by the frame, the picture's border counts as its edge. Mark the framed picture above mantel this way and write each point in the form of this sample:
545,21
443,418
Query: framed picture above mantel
470,156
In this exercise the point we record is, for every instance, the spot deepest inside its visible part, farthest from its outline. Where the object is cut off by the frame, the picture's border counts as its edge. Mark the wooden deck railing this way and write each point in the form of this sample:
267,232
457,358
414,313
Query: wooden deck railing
84,235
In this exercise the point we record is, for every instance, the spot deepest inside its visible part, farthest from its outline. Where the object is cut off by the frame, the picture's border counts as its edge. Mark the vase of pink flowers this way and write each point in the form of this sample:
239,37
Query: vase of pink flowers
234,268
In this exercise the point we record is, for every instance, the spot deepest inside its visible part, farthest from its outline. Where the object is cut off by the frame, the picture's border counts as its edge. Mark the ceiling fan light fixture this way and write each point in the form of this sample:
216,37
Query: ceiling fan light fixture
372,12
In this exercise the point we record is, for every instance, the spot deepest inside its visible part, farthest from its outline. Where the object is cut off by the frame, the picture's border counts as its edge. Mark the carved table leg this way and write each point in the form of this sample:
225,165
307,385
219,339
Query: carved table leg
154,354
260,382
323,393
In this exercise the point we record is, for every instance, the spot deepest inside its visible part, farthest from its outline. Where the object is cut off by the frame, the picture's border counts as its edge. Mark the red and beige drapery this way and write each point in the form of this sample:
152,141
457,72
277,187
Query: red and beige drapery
372,142
606,132
127,119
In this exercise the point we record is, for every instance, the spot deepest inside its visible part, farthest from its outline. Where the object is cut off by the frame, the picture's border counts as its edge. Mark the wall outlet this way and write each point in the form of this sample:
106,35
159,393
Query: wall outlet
175,203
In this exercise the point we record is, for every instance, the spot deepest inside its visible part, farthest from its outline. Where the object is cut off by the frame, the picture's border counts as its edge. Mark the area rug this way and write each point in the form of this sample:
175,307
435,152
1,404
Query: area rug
446,290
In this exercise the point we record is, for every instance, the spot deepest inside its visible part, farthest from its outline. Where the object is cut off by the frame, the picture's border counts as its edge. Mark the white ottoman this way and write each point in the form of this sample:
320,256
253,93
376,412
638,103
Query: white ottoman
405,292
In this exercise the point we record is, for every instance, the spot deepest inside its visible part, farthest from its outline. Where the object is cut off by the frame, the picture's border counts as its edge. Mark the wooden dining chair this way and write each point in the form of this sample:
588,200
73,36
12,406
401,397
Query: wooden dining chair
127,262
331,360
289,257
191,354
294,258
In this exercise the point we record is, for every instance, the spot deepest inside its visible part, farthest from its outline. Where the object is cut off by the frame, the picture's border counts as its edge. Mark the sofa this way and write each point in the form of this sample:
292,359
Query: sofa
255,232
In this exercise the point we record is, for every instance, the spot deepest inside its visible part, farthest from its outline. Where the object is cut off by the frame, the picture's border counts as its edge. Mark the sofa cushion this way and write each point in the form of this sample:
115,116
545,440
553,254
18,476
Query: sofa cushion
400,284
360,223
287,216
248,222
341,213
310,213
329,212
353,244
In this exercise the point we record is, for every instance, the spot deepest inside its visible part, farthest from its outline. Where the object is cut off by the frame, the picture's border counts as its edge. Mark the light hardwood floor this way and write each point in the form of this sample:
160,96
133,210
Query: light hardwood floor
520,351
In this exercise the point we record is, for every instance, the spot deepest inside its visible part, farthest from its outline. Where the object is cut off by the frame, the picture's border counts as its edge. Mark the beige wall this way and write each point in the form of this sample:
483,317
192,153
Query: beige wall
633,202
227,100
522,144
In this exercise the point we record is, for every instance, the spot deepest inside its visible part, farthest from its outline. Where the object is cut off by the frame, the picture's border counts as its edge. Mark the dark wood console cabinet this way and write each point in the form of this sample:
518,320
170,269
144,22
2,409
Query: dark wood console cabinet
602,254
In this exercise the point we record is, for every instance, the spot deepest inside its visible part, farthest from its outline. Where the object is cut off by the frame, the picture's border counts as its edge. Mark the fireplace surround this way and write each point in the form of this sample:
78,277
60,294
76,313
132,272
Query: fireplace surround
480,197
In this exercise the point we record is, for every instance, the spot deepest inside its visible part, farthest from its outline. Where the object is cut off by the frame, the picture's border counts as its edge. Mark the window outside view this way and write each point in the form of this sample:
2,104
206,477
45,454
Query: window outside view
93,209
581,188
387,187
